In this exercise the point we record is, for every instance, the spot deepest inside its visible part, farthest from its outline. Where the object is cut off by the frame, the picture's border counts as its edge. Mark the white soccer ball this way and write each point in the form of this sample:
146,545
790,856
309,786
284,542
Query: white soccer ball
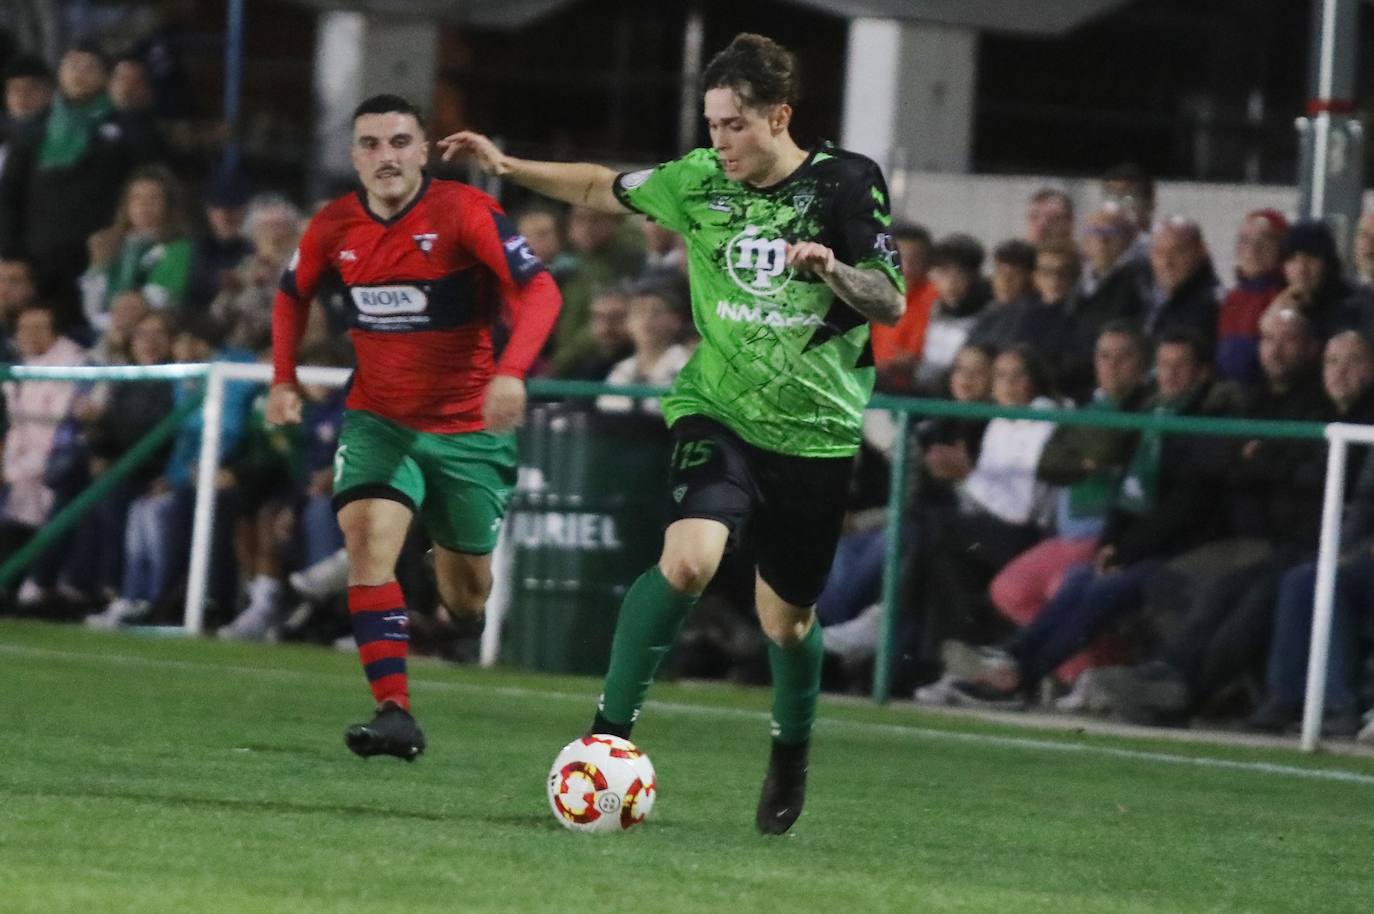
601,783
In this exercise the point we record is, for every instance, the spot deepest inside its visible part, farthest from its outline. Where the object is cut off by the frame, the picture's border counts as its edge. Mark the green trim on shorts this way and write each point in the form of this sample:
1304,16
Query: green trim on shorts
461,481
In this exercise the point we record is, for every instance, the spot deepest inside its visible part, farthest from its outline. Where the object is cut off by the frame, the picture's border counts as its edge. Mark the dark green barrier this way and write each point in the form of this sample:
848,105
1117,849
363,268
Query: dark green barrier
585,521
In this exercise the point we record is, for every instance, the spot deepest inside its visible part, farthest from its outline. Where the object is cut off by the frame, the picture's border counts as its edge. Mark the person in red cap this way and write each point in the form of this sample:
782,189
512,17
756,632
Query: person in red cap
1259,278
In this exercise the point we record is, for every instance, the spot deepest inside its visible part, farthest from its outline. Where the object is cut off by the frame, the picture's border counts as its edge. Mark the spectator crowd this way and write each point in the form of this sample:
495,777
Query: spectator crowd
1160,578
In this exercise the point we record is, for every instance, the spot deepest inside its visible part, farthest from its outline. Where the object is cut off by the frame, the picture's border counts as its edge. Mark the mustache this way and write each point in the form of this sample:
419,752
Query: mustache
386,172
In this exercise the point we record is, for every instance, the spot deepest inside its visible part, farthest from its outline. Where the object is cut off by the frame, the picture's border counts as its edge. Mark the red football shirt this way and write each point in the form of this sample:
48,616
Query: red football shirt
425,289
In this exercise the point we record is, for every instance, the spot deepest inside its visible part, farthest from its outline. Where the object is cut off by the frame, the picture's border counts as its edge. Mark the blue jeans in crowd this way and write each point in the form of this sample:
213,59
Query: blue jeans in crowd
147,556
1086,604
157,547
94,564
856,576
320,533
1288,652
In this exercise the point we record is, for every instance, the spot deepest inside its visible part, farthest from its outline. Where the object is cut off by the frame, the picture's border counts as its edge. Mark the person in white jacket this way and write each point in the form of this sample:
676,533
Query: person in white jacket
656,323
1002,509
36,409
1002,483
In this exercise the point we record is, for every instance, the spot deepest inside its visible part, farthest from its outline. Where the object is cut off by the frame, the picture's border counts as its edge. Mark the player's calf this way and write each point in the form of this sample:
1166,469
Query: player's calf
463,583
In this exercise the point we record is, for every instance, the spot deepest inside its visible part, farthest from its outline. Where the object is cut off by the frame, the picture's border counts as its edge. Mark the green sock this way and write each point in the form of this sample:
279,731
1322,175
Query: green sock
796,684
650,617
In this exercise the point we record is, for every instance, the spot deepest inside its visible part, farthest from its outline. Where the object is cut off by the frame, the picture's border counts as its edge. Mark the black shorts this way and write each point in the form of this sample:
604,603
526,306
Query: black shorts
787,509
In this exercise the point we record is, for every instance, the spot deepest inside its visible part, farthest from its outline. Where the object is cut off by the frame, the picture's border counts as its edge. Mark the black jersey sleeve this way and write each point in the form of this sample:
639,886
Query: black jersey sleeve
864,220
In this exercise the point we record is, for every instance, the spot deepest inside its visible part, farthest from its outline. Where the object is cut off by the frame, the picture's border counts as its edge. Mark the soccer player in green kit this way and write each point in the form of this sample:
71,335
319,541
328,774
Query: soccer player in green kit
790,258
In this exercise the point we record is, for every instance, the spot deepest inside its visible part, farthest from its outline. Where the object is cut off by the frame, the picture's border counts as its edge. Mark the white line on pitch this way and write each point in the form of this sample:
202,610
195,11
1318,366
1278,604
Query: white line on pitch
1010,742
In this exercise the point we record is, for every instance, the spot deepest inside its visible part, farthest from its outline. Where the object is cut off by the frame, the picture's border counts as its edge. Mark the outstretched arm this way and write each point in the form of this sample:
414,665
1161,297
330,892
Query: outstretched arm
868,292
288,325
580,183
290,309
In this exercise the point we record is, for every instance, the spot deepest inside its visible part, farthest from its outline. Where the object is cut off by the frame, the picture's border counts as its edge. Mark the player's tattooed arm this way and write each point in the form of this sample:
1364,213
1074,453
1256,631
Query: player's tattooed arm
868,292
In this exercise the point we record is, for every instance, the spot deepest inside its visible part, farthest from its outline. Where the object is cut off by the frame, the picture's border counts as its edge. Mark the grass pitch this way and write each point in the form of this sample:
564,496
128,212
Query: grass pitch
143,775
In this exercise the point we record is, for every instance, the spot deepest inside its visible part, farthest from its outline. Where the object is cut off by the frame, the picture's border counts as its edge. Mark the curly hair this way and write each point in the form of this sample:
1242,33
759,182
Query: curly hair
761,71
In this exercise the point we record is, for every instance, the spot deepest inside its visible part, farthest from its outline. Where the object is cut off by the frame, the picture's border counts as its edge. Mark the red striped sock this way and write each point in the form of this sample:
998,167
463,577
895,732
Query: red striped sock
382,632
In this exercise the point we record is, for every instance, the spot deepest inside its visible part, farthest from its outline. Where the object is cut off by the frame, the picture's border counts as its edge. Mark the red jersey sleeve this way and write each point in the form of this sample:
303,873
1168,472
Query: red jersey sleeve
530,298
291,305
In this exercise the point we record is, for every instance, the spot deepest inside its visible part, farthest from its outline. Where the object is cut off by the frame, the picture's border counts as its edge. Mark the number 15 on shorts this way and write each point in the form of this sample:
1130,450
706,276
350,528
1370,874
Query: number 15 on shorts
689,454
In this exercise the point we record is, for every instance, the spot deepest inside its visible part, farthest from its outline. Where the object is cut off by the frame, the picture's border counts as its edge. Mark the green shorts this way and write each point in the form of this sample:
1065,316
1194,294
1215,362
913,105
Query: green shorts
457,483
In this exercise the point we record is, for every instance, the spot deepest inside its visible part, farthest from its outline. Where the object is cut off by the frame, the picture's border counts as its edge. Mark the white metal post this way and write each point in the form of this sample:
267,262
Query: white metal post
219,373
203,527
502,593
1321,124
1320,648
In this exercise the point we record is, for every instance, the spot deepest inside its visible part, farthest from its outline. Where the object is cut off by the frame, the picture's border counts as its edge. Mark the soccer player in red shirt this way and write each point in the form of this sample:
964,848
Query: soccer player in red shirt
431,267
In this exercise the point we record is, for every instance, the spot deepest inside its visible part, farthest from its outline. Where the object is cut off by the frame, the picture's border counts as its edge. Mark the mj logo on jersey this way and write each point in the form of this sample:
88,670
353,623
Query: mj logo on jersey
764,258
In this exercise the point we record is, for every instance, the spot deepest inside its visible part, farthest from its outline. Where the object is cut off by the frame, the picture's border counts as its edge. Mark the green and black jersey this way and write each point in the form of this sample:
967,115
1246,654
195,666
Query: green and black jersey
783,362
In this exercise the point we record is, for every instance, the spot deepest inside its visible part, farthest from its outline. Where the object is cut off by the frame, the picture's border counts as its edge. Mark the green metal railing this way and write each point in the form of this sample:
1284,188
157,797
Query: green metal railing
902,408
1195,425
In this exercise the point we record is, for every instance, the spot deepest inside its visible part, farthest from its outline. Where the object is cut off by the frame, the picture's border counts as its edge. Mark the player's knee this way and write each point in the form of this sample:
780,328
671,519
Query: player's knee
687,573
361,535
787,630
366,563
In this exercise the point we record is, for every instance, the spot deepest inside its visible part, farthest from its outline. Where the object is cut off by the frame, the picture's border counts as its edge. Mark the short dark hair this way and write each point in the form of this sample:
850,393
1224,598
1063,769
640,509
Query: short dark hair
200,325
1119,326
1066,249
1312,237
1053,193
1131,173
667,286
28,66
1037,367
911,231
388,104
1179,335
24,262
958,250
91,47
759,69
988,350
1017,253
